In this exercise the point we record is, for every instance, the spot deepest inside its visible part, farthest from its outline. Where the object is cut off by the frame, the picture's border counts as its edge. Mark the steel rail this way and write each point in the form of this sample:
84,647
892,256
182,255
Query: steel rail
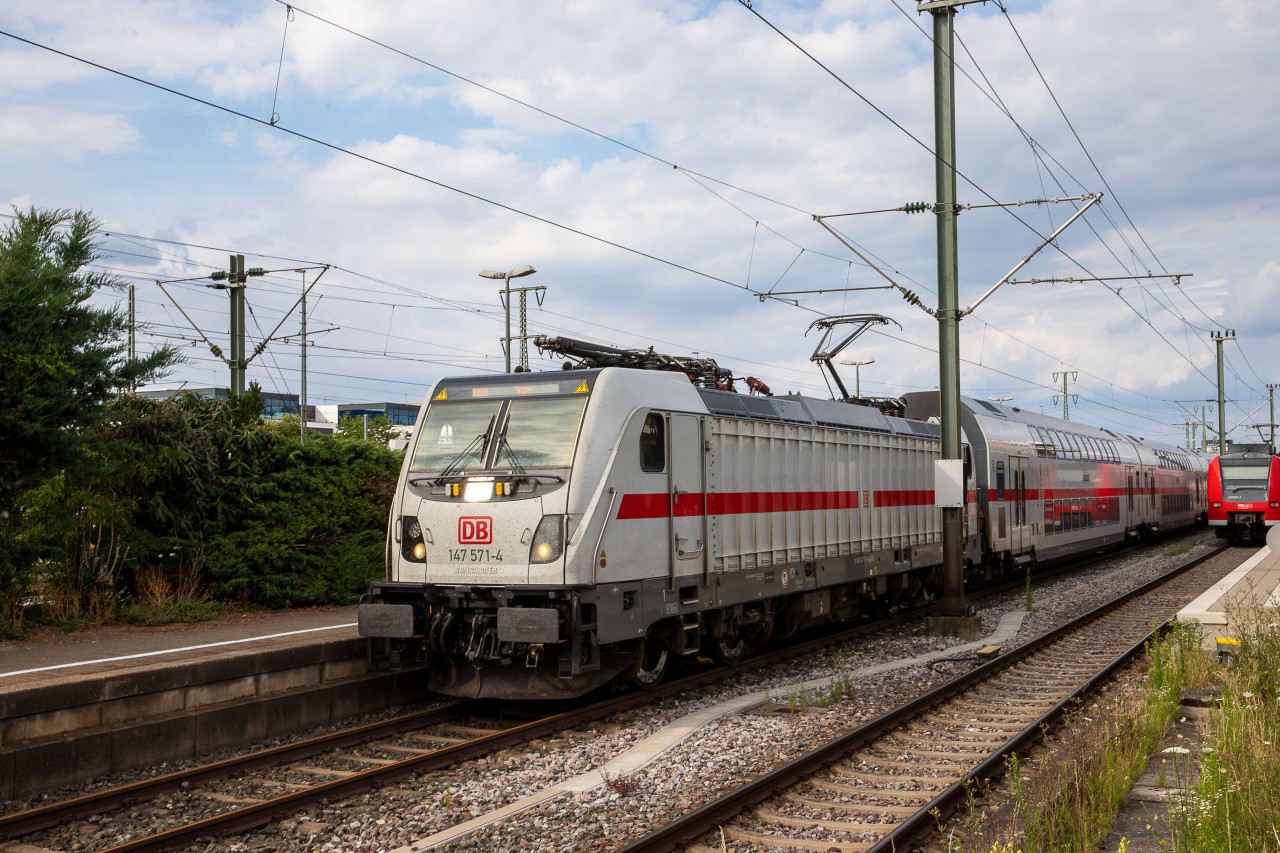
17,824
690,826
259,814
25,822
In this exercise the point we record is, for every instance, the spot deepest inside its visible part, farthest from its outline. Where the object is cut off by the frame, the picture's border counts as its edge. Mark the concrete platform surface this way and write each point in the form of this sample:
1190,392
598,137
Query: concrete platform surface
48,655
1252,587
75,707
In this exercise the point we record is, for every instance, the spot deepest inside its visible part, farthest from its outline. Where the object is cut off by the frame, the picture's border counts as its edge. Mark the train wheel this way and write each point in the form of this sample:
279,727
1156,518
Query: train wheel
652,664
730,648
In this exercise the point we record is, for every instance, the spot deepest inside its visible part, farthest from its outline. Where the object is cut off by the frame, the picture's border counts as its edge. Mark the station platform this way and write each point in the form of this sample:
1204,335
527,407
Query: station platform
50,656
80,706
1241,596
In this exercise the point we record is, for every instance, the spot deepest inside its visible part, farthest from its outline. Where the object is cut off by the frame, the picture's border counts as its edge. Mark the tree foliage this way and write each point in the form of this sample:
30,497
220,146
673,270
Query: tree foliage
317,533
108,498
375,428
61,358
193,496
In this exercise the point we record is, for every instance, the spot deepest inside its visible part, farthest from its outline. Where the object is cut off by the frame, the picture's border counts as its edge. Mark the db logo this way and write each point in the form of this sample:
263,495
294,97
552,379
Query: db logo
475,530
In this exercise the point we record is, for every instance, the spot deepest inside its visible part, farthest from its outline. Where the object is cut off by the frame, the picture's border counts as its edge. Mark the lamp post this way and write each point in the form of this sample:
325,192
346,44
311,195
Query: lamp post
857,374
506,292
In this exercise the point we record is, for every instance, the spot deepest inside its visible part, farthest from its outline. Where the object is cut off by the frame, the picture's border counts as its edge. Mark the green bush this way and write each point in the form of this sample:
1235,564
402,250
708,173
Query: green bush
316,533
180,505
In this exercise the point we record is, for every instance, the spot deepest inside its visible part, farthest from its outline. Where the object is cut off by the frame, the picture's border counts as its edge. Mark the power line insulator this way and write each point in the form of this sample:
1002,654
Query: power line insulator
916,206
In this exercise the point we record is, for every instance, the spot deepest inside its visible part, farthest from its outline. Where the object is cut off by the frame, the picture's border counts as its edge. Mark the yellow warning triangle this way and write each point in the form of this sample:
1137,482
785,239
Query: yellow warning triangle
443,395
582,388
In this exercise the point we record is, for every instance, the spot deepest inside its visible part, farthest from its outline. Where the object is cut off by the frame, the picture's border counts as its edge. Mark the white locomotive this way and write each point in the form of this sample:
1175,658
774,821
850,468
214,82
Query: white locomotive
556,531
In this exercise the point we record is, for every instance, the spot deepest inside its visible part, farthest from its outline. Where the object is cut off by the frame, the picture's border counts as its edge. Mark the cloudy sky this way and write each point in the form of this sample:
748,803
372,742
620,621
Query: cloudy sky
660,164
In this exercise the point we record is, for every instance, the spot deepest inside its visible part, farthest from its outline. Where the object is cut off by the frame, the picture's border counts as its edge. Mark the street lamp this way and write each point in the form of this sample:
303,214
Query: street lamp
857,374
506,282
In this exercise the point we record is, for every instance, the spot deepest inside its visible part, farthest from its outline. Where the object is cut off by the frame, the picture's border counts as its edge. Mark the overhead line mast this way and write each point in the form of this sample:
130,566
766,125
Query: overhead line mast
953,609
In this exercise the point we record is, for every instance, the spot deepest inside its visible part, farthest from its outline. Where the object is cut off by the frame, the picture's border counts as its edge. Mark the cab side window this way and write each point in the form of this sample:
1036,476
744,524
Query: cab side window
653,444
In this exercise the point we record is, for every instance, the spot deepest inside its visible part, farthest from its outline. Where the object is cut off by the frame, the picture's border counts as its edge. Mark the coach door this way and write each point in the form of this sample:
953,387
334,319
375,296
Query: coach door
685,480
1021,540
1131,518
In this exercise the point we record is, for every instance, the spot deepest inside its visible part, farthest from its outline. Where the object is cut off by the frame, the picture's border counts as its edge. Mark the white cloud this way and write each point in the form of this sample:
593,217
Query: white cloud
55,135
1175,111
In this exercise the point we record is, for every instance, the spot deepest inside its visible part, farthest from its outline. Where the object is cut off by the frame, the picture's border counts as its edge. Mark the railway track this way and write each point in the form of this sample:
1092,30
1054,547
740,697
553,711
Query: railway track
251,791
274,783
884,785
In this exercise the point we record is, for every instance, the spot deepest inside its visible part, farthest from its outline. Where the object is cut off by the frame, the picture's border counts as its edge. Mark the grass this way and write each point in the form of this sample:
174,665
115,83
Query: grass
162,600
800,700
1231,805
1234,805
1069,800
165,613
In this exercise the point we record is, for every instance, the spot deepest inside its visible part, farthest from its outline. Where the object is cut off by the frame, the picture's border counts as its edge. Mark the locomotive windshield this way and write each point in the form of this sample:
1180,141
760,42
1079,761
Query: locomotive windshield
513,433
1245,479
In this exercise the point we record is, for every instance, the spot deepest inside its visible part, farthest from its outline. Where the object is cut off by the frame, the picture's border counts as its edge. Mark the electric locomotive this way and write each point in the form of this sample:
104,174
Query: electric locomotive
1244,495
554,532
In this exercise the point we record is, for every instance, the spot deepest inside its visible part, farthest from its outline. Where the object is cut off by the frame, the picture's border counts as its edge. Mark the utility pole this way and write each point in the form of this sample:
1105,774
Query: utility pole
505,294
540,291
302,395
133,342
953,606
1203,412
1271,397
235,278
1066,374
1219,338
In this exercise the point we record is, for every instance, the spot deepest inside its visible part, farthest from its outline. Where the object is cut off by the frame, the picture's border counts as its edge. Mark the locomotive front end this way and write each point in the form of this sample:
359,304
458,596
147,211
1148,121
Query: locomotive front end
476,580
1244,495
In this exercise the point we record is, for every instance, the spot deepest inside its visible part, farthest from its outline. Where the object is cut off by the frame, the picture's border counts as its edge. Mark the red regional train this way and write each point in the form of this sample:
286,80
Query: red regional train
1244,495
553,532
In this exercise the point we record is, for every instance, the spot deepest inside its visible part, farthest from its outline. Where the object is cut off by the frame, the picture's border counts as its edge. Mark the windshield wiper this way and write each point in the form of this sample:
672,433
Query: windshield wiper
504,446
455,467
520,472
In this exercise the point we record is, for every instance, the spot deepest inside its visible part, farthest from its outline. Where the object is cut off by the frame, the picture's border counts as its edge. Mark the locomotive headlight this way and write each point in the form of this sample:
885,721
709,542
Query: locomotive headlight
548,540
413,545
478,490
1216,504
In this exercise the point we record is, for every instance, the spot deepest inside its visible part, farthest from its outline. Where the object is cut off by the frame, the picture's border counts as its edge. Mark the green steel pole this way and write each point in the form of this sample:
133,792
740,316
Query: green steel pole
1222,408
1219,338
1271,394
133,340
953,601
236,283
302,403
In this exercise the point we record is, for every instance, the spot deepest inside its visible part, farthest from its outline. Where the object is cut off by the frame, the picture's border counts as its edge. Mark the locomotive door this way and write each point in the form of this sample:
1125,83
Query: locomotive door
686,488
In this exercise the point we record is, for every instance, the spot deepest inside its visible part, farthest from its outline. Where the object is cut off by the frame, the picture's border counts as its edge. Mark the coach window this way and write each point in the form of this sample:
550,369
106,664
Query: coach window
653,446
999,481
